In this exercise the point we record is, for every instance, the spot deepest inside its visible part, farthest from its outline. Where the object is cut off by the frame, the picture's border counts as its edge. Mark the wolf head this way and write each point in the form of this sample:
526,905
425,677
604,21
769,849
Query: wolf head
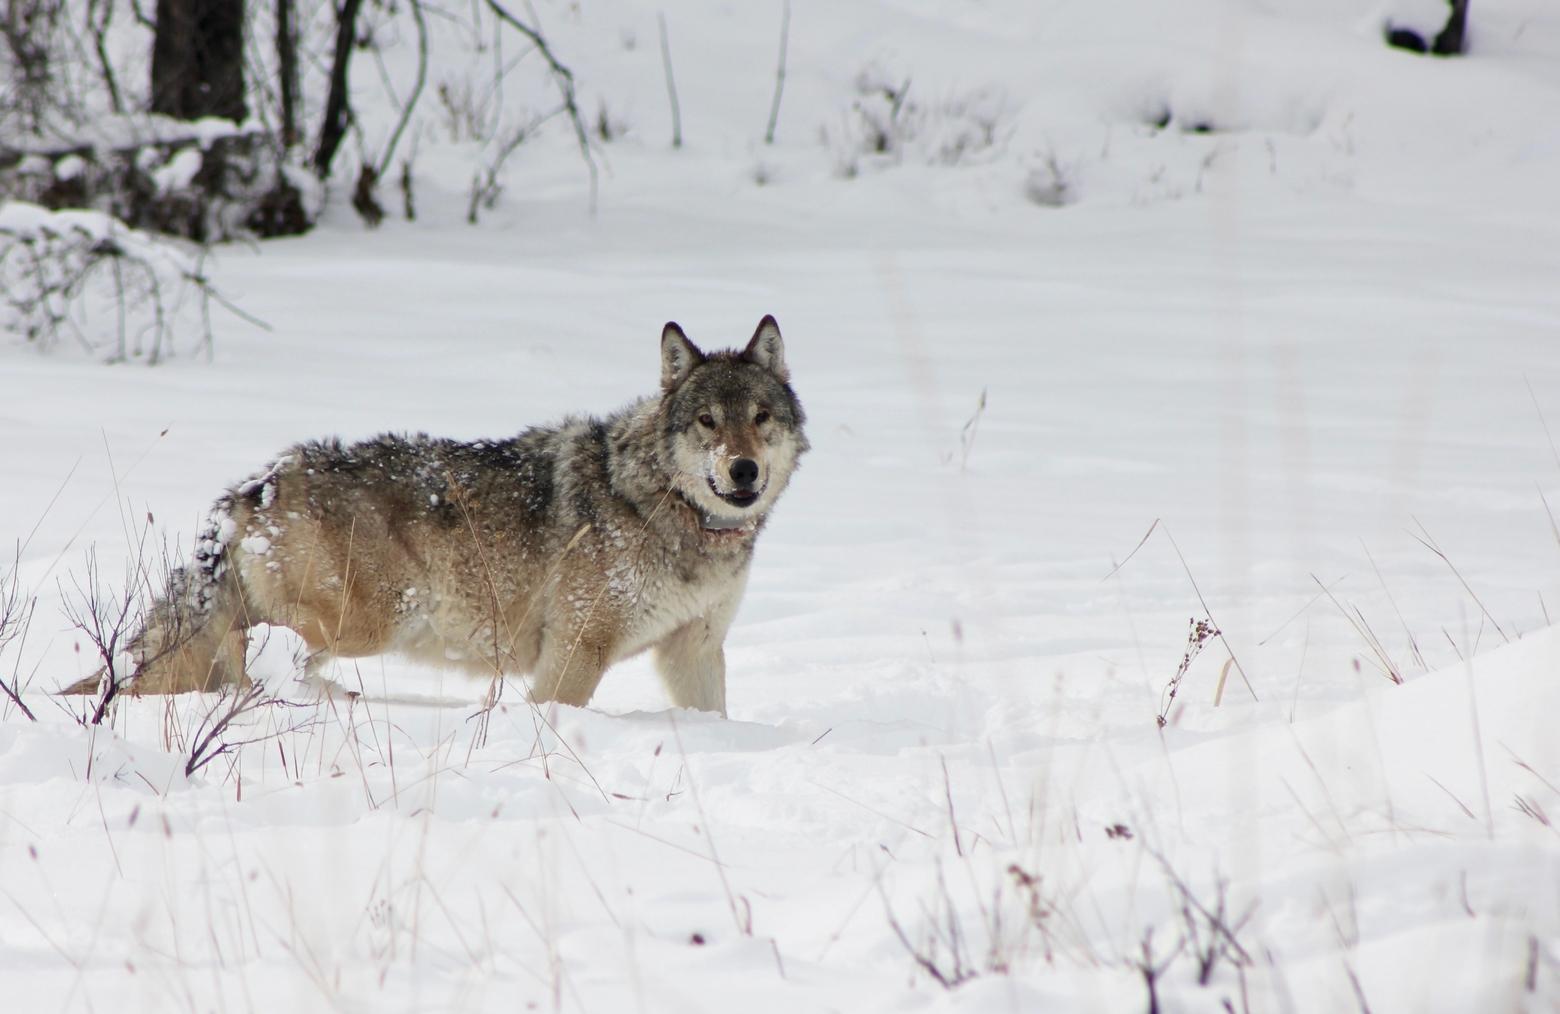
731,425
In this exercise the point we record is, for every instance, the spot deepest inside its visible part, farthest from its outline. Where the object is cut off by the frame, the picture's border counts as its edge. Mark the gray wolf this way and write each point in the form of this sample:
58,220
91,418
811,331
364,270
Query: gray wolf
557,552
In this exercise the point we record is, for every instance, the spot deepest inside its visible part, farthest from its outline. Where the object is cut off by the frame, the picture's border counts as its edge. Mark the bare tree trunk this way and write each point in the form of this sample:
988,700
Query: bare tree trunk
287,67
1451,40
338,110
1454,37
198,59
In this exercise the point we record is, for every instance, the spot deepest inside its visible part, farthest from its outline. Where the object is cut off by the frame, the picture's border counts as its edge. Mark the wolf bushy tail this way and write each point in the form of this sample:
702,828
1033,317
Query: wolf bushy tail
193,635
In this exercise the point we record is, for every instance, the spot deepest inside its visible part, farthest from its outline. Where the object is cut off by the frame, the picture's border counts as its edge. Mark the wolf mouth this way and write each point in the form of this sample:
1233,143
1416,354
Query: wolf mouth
737,498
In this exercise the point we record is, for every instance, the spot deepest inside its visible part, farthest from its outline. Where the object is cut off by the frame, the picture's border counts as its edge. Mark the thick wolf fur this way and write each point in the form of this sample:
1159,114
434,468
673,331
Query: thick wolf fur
557,552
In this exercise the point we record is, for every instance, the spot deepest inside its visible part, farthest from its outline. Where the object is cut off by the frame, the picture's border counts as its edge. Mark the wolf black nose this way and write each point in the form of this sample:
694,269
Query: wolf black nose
744,471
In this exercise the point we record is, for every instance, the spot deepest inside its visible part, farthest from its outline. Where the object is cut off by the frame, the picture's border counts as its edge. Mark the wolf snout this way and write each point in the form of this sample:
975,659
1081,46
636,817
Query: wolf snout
744,472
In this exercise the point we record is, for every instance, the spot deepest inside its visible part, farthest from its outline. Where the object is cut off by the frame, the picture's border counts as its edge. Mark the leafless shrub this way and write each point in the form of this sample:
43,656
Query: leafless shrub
74,133
485,186
1152,969
1049,184
410,105
1039,907
959,936
408,205
16,614
563,78
1210,932
887,114
108,618
995,940
210,738
1208,936
35,89
942,948
114,289
609,126
365,199
467,113
966,125
883,124
880,122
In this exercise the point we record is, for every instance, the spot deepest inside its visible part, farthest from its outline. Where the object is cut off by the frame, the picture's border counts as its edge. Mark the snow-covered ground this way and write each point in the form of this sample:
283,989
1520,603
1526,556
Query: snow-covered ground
1304,336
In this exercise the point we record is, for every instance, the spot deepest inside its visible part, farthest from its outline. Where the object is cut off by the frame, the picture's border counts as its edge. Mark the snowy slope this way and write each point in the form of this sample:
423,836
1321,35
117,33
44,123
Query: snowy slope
1308,325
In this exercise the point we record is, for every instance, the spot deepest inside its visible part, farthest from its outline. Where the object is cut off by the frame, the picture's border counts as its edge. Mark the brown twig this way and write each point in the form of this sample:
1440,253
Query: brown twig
16,615
207,739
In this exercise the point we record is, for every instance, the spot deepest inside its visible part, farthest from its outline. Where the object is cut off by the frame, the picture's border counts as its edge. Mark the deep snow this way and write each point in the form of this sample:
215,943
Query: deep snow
1306,343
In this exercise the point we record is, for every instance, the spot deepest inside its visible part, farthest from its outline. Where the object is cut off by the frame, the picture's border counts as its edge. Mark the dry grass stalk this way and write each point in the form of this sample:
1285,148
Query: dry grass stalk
1199,633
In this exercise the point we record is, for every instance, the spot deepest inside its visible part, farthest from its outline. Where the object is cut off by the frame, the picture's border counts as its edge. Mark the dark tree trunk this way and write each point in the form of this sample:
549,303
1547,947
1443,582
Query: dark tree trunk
198,59
1451,40
338,110
287,67
1453,37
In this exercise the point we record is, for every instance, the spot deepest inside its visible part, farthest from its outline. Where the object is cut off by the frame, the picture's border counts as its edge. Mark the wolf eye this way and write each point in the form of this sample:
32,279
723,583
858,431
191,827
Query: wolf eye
760,419
707,421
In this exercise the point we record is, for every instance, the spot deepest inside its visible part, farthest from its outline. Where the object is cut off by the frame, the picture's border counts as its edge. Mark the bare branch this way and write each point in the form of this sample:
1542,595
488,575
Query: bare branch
785,38
564,78
671,85
16,613
208,740
417,89
108,621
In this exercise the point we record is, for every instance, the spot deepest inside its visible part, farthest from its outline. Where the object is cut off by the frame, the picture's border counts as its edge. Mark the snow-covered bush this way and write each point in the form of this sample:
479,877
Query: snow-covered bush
1048,183
121,293
884,125
207,180
74,133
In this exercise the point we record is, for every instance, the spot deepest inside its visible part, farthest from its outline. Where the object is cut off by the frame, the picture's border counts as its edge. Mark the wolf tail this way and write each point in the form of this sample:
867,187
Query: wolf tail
194,636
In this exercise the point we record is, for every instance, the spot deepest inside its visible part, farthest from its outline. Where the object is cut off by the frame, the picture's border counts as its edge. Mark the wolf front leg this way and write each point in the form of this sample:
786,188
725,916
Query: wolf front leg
692,661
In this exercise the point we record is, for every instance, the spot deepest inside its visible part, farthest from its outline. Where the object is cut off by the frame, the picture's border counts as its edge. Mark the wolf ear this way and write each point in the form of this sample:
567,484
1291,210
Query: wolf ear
767,349
678,356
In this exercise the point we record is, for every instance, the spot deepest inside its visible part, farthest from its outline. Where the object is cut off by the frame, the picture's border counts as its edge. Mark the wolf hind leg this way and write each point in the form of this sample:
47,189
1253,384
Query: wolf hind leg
189,640
573,661
195,637
206,661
